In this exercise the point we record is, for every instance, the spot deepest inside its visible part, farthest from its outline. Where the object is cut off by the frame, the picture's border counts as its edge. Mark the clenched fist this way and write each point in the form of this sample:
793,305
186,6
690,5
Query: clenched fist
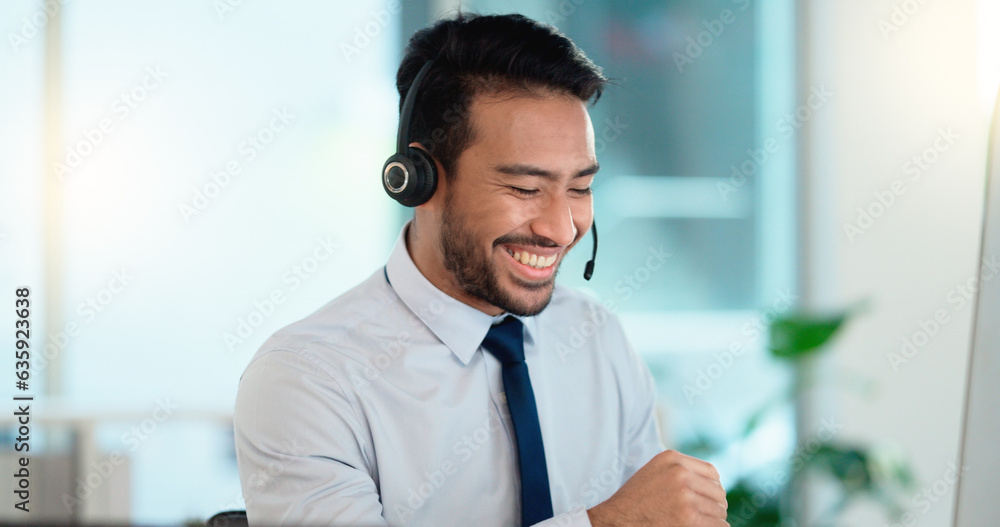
672,490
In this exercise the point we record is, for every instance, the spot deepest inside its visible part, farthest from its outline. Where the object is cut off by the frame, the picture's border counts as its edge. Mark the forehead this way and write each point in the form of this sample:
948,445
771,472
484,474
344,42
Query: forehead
532,127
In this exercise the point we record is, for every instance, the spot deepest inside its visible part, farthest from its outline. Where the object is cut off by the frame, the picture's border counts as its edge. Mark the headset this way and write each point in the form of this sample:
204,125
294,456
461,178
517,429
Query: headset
410,176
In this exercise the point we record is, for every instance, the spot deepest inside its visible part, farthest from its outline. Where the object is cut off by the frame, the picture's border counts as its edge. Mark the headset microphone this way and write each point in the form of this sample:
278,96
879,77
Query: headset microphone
588,271
410,176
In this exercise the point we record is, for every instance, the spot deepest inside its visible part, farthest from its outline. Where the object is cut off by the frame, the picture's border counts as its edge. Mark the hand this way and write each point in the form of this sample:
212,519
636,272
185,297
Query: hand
672,490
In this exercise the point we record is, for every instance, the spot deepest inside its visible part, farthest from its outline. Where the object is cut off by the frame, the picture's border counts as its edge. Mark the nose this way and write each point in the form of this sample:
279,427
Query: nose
555,222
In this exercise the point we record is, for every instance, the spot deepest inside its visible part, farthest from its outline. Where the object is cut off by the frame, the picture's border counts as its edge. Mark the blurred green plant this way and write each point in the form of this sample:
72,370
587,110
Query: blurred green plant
852,471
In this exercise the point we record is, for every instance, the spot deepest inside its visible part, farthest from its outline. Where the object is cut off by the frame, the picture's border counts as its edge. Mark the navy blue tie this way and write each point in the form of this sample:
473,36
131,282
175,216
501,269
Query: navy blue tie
506,342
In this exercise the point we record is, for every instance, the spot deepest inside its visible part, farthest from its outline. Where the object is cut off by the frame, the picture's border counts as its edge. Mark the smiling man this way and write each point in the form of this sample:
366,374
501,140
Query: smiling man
494,237
460,385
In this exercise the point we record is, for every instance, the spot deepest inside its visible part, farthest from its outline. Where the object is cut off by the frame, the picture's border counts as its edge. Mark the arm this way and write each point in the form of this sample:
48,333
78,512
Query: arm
302,451
668,488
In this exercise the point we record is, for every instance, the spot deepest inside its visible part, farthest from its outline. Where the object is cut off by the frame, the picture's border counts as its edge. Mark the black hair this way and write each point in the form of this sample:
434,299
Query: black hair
490,54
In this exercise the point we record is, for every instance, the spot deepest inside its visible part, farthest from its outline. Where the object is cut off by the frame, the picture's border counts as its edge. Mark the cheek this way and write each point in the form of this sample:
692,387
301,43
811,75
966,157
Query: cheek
511,215
486,225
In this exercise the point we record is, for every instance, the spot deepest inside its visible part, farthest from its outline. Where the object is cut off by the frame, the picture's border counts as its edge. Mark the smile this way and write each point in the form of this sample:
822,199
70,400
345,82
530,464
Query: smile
533,260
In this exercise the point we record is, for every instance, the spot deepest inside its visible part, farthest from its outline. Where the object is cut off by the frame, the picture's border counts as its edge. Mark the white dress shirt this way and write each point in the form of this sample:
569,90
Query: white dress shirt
381,408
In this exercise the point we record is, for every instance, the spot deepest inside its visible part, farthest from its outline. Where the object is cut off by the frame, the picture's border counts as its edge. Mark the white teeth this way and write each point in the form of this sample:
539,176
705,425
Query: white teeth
533,260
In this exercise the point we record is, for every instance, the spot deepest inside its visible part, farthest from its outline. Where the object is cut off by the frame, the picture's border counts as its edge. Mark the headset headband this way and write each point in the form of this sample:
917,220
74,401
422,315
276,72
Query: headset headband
406,112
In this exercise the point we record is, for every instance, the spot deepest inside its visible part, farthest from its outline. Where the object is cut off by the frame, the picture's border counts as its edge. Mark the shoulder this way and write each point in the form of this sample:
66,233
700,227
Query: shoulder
580,325
344,329
571,306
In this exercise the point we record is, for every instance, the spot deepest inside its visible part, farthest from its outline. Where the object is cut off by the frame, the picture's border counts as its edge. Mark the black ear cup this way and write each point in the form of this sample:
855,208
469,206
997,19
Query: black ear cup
410,179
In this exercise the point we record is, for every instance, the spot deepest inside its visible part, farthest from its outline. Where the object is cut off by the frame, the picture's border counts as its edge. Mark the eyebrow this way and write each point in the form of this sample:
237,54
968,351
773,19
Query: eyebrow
520,169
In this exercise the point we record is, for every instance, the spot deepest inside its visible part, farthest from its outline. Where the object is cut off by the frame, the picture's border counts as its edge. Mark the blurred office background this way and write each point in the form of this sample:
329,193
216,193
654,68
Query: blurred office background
180,180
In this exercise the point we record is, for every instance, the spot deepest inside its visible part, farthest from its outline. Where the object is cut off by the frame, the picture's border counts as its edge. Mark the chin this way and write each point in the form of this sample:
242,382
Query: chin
524,299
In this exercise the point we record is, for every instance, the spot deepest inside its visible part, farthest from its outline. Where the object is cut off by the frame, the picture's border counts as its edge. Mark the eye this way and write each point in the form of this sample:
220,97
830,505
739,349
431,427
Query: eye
582,191
524,191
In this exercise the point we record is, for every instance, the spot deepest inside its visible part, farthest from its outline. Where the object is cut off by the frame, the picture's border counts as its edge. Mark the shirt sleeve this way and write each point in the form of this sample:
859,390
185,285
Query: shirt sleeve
641,434
574,518
300,447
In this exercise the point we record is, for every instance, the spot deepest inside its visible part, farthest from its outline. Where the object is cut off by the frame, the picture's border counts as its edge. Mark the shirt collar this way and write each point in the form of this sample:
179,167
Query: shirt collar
457,325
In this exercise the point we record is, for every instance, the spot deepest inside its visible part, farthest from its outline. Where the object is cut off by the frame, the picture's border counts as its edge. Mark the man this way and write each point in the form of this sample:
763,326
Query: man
397,404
